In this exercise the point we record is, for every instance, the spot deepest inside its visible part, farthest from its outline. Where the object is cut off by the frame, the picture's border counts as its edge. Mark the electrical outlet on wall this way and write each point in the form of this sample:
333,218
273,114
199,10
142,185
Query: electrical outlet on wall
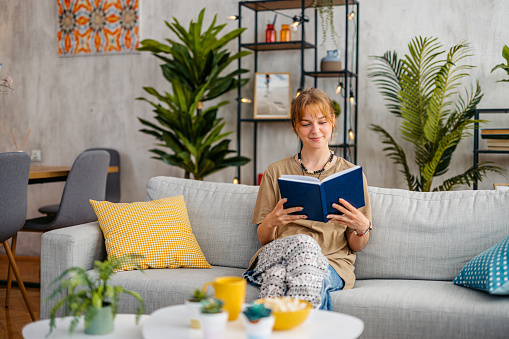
36,155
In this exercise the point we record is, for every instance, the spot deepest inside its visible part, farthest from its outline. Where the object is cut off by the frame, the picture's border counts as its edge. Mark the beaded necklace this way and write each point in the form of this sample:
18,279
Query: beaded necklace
319,172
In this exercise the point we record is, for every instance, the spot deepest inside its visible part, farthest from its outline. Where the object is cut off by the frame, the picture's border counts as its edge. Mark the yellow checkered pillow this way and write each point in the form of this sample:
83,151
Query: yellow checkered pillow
159,230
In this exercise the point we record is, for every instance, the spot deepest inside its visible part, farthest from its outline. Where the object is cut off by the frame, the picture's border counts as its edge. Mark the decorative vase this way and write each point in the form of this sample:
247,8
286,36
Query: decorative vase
285,33
193,308
332,62
270,33
213,324
261,329
102,322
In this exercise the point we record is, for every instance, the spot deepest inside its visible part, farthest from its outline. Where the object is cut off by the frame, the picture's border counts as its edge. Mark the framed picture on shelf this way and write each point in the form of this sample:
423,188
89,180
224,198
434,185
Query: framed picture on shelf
272,95
501,187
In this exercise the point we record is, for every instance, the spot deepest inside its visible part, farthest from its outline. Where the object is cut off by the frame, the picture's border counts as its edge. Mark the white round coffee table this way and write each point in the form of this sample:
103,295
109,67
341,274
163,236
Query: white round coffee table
173,322
125,328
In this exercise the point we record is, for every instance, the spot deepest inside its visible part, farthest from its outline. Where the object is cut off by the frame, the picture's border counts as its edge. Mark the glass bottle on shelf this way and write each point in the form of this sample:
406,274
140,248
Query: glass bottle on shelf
270,33
285,33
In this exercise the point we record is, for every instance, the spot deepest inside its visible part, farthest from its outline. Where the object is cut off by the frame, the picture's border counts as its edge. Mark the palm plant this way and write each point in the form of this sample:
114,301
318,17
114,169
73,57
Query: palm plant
423,90
87,294
194,68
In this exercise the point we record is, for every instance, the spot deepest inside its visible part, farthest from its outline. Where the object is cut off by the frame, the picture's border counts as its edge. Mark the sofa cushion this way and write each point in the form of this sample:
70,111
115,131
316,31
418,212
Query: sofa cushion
421,309
159,230
163,287
488,271
220,214
430,236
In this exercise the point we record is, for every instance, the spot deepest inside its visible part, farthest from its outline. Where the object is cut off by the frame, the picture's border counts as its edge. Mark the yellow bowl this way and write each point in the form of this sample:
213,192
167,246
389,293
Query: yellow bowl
289,320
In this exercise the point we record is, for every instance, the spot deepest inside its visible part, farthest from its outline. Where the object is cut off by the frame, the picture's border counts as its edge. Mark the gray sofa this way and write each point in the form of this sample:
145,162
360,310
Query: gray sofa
419,243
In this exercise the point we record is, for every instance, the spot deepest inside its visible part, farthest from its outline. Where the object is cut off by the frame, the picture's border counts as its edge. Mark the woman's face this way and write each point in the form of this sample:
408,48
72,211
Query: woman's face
314,129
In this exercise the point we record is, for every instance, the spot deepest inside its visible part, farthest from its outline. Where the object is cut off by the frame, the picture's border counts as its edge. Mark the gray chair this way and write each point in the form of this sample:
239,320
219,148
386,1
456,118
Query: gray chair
112,182
86,180
14,172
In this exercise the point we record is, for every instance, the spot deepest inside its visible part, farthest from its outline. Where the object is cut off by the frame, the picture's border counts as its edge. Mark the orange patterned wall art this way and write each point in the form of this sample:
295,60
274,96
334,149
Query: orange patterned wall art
87,27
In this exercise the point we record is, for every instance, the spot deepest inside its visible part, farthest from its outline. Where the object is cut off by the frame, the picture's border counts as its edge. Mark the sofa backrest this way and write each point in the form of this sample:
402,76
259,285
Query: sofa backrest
415,235
430,236
220,216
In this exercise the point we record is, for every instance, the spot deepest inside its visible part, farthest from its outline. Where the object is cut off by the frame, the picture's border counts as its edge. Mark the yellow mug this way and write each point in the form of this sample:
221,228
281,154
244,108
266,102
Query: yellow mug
232,290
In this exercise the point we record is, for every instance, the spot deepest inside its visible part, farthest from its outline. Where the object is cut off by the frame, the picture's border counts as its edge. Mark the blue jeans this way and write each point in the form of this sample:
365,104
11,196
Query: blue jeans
331,282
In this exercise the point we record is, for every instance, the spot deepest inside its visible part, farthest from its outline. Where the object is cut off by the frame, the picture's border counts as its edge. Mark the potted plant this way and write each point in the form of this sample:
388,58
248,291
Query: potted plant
194,65
326,10
213,318
193,305
91,296
423,90
258,321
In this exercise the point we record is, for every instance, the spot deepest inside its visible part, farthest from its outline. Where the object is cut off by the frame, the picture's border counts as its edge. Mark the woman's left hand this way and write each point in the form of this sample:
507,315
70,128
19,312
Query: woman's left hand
351,217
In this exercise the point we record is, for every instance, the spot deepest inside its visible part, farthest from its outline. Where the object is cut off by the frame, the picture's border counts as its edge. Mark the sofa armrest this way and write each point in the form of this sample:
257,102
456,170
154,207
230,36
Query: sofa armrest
72,246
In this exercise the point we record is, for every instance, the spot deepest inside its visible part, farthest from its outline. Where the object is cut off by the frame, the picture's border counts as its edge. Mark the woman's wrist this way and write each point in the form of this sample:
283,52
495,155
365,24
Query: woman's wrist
361,233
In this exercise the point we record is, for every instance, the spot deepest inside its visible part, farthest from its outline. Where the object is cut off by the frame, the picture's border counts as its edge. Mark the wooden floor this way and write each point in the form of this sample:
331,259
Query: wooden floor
13,318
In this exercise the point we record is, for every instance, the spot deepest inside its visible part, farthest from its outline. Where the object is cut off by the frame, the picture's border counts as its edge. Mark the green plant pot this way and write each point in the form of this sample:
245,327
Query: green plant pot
102,323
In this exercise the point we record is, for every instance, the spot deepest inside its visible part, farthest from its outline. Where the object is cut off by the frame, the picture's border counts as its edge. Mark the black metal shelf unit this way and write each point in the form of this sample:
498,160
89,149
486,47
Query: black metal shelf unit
478,151
348,75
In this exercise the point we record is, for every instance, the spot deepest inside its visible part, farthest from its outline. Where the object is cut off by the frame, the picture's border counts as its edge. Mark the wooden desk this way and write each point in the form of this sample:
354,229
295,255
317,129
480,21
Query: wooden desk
43,174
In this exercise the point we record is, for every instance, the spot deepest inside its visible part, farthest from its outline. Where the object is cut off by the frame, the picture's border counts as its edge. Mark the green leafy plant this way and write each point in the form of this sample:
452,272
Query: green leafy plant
87,294
326,10
505,67
198,295
256,311
337,108
211,305
422,90
193,66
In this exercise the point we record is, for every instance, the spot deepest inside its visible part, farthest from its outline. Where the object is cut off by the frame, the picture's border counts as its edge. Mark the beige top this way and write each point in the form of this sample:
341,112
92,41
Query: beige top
330,236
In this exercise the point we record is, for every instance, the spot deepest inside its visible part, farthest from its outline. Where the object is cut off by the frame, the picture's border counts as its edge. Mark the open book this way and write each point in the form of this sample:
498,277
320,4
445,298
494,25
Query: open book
317,197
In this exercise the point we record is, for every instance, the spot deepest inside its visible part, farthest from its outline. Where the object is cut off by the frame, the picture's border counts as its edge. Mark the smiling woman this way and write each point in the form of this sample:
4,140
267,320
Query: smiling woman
291,261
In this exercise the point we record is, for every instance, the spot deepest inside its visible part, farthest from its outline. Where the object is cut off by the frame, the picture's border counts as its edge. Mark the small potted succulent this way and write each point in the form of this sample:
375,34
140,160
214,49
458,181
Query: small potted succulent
193,305
213,318
258,321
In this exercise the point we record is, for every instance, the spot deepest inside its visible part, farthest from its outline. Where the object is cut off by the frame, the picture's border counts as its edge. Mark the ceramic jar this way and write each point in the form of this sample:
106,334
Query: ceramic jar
193,309
285,33
270,33
332,62
213,324
102,323
262,329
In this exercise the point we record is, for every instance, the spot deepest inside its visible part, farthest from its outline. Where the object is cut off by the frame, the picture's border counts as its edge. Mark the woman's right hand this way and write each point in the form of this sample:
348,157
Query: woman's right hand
278,217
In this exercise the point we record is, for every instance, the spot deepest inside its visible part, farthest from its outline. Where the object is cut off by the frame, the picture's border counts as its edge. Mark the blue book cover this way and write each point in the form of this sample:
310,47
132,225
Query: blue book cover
317,197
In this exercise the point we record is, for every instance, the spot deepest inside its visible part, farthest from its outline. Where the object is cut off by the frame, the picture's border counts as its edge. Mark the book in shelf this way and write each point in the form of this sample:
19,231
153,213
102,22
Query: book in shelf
499,148
317,197
498,144
495,133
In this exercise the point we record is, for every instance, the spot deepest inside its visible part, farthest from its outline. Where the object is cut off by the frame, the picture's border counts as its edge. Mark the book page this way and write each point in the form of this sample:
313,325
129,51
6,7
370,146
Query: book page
300,178
335,175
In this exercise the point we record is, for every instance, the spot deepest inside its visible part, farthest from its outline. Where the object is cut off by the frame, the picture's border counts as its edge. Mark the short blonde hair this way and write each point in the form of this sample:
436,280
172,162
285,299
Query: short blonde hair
318,100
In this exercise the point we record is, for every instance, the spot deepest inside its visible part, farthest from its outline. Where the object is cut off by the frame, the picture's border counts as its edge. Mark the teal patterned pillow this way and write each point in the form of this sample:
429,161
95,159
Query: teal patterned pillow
487,271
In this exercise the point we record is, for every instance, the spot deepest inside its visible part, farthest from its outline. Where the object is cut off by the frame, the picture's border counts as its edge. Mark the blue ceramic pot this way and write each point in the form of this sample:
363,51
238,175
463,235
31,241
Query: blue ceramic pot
102,322
332,62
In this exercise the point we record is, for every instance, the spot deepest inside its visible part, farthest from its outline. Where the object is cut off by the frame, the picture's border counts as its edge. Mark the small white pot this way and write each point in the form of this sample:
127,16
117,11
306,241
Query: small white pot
193,309
213,324
262,329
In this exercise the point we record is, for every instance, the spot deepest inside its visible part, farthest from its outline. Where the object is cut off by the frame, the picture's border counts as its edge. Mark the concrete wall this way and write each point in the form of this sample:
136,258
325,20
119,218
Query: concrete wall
74,103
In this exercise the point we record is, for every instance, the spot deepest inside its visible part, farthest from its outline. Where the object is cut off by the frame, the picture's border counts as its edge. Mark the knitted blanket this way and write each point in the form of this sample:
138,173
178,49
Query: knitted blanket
293,266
